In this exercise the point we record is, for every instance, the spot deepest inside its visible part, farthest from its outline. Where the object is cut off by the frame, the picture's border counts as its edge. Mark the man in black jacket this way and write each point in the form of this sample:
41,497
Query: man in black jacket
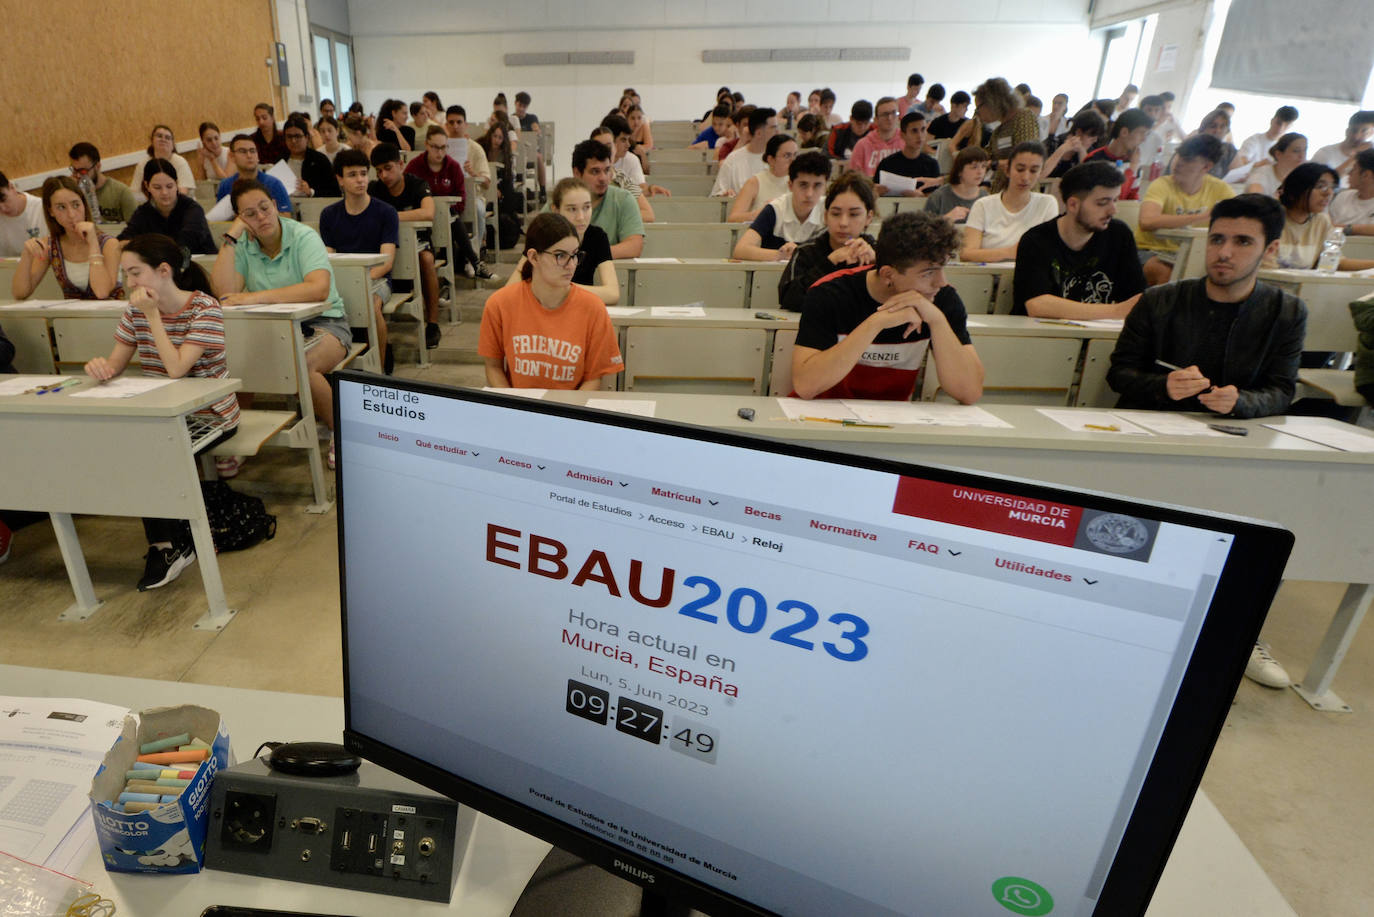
1236,342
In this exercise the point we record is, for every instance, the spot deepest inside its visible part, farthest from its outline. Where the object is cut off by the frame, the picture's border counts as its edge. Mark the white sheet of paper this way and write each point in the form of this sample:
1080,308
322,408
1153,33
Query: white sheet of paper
123,387
281,171
797,408
535,393
622,311
1109,324
50,749
1166,424
896,182
1344,437
19,385
1085,421
638,408
679,311
284,306
929,413
656,260
223,210
458,149
974,323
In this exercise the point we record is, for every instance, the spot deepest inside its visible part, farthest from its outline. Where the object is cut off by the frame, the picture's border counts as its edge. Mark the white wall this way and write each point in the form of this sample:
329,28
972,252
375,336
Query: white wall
458,52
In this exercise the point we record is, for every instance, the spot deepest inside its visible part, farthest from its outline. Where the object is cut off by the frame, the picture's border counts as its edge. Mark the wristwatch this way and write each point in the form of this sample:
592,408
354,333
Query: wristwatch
230,240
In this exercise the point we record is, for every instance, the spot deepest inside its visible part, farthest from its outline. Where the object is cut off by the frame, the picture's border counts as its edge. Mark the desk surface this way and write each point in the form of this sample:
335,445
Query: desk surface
1211,871
182,396
109,308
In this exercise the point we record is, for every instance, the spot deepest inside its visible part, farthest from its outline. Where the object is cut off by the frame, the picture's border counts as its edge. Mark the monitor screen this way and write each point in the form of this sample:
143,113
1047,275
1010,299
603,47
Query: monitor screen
766,678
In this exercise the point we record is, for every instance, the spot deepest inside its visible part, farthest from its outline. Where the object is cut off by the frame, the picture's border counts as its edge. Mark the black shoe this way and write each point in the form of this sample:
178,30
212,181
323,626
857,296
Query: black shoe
388,360
164,565
431,336
483,271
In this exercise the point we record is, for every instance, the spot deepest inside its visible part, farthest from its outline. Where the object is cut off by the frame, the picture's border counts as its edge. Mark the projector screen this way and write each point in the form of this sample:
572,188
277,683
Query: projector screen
1319,49
779,680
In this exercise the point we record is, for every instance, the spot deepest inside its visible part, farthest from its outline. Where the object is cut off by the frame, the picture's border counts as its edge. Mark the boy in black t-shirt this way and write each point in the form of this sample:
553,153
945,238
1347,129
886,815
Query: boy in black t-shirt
864,331
947,125
410,196
910,161
1082,265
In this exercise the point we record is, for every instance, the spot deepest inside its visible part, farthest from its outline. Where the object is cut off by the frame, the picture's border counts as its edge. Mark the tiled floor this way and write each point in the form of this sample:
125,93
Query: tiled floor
1295,784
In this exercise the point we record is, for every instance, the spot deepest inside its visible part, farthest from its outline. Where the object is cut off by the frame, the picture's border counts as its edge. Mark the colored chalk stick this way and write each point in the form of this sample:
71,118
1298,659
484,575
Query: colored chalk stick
147,748
145,766
145,797
194,743
133,808
176,757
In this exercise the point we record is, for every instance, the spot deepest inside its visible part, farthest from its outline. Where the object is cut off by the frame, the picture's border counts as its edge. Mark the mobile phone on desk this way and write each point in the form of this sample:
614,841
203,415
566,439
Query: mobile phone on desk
232,910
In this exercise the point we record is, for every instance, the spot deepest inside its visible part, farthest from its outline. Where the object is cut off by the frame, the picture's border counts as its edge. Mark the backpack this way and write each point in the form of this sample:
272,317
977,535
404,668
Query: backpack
237,520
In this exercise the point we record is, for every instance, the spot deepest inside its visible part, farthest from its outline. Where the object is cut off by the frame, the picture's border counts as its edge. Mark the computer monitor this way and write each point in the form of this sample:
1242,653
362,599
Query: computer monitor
763,678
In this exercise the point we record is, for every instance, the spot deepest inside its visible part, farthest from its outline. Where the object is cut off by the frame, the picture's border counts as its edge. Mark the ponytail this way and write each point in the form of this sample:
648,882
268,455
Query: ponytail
154,248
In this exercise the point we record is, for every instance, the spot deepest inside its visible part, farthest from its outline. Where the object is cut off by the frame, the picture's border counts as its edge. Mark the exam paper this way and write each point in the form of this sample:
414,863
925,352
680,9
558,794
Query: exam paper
123,387
535,393
34,304
20,385
281,171
639,408
927,413
896,182
284,306
1166,424
693,311
656,260
1340,436
458,149
221,212
799,408
1093,422
49,751
621,311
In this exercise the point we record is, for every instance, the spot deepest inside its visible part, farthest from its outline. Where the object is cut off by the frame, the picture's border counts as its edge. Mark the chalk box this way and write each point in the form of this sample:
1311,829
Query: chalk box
170,838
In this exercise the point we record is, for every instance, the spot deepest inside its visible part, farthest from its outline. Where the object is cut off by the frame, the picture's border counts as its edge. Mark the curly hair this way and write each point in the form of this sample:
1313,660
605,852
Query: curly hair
913,236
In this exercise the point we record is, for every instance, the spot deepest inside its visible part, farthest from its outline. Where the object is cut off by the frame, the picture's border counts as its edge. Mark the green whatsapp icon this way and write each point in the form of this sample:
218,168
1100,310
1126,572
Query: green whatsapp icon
1022,896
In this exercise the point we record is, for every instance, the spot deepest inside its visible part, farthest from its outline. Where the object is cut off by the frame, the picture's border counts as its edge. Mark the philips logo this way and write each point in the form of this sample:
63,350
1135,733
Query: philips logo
635,871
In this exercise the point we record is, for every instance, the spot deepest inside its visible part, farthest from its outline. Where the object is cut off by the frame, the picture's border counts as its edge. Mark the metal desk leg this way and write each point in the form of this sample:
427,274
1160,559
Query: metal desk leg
86,602
219,613
1315,688
322,502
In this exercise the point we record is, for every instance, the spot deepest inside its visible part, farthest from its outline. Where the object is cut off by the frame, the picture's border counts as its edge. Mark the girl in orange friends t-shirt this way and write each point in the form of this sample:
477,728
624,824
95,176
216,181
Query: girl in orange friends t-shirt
544,332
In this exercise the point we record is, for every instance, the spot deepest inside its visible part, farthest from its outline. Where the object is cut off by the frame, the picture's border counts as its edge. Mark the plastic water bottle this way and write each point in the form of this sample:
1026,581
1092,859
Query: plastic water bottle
1331,251
92,202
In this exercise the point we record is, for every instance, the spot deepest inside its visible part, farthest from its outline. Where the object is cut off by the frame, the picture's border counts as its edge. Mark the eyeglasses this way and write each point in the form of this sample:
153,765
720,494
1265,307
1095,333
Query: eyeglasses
294,135
262,210
562,258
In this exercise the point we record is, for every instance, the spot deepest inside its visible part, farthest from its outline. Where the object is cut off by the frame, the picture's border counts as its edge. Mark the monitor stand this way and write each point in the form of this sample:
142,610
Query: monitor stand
568,886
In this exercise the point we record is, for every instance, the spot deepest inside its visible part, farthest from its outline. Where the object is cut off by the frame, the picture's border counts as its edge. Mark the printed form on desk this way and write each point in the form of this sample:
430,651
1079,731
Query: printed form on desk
123,387
691,310
1337,435
23,385
1093,422
34,304
49,751
622,311
928,413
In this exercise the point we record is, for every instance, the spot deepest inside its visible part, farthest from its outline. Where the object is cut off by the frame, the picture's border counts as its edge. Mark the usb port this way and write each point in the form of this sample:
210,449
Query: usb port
346,843
372,843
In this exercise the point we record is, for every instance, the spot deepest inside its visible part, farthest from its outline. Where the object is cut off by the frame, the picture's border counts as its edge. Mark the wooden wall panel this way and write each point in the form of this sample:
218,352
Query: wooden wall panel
108,71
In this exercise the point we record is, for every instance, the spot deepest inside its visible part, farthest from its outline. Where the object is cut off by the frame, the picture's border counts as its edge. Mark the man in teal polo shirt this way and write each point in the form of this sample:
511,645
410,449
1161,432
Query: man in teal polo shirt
613,209
266,258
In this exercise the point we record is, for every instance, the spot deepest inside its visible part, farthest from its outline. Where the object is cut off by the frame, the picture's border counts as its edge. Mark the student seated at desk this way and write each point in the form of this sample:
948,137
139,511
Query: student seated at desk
595,269
213,155
177,328
1304,196
113,199
1183,198
848,211
268,259
864,331
84,260
746,160
168,211
444,176
361,224
794,218
619,178
314,172
413,203
1353,209
244,154
1238,341
719,129
963,187
547,332
21,219
613,209
1084,264
162,145
909,160
996,222
767,184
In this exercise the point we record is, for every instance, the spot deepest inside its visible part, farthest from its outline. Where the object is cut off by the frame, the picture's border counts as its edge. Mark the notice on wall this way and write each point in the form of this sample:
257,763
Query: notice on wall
1168,59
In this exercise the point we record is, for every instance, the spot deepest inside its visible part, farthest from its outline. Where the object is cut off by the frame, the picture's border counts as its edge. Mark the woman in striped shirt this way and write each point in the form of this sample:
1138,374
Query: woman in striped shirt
177,329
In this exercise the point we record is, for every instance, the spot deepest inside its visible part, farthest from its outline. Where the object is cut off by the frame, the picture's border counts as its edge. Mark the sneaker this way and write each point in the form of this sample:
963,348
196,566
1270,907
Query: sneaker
388,360
468,271
431,335
164,565
483,271
1264,669
330,457
227,466
6,542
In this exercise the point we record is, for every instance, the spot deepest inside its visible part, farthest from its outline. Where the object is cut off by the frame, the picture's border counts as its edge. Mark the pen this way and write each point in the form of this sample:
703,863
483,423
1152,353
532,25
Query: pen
1056,321
823,419
1168,365
1106,428
860,423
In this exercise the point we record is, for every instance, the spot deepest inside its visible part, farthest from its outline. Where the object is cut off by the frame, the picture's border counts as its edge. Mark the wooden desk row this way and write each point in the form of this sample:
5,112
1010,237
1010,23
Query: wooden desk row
733,351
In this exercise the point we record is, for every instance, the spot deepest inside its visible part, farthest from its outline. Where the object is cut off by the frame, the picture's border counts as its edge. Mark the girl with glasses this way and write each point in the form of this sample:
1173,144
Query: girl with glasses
545,331
1305,194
